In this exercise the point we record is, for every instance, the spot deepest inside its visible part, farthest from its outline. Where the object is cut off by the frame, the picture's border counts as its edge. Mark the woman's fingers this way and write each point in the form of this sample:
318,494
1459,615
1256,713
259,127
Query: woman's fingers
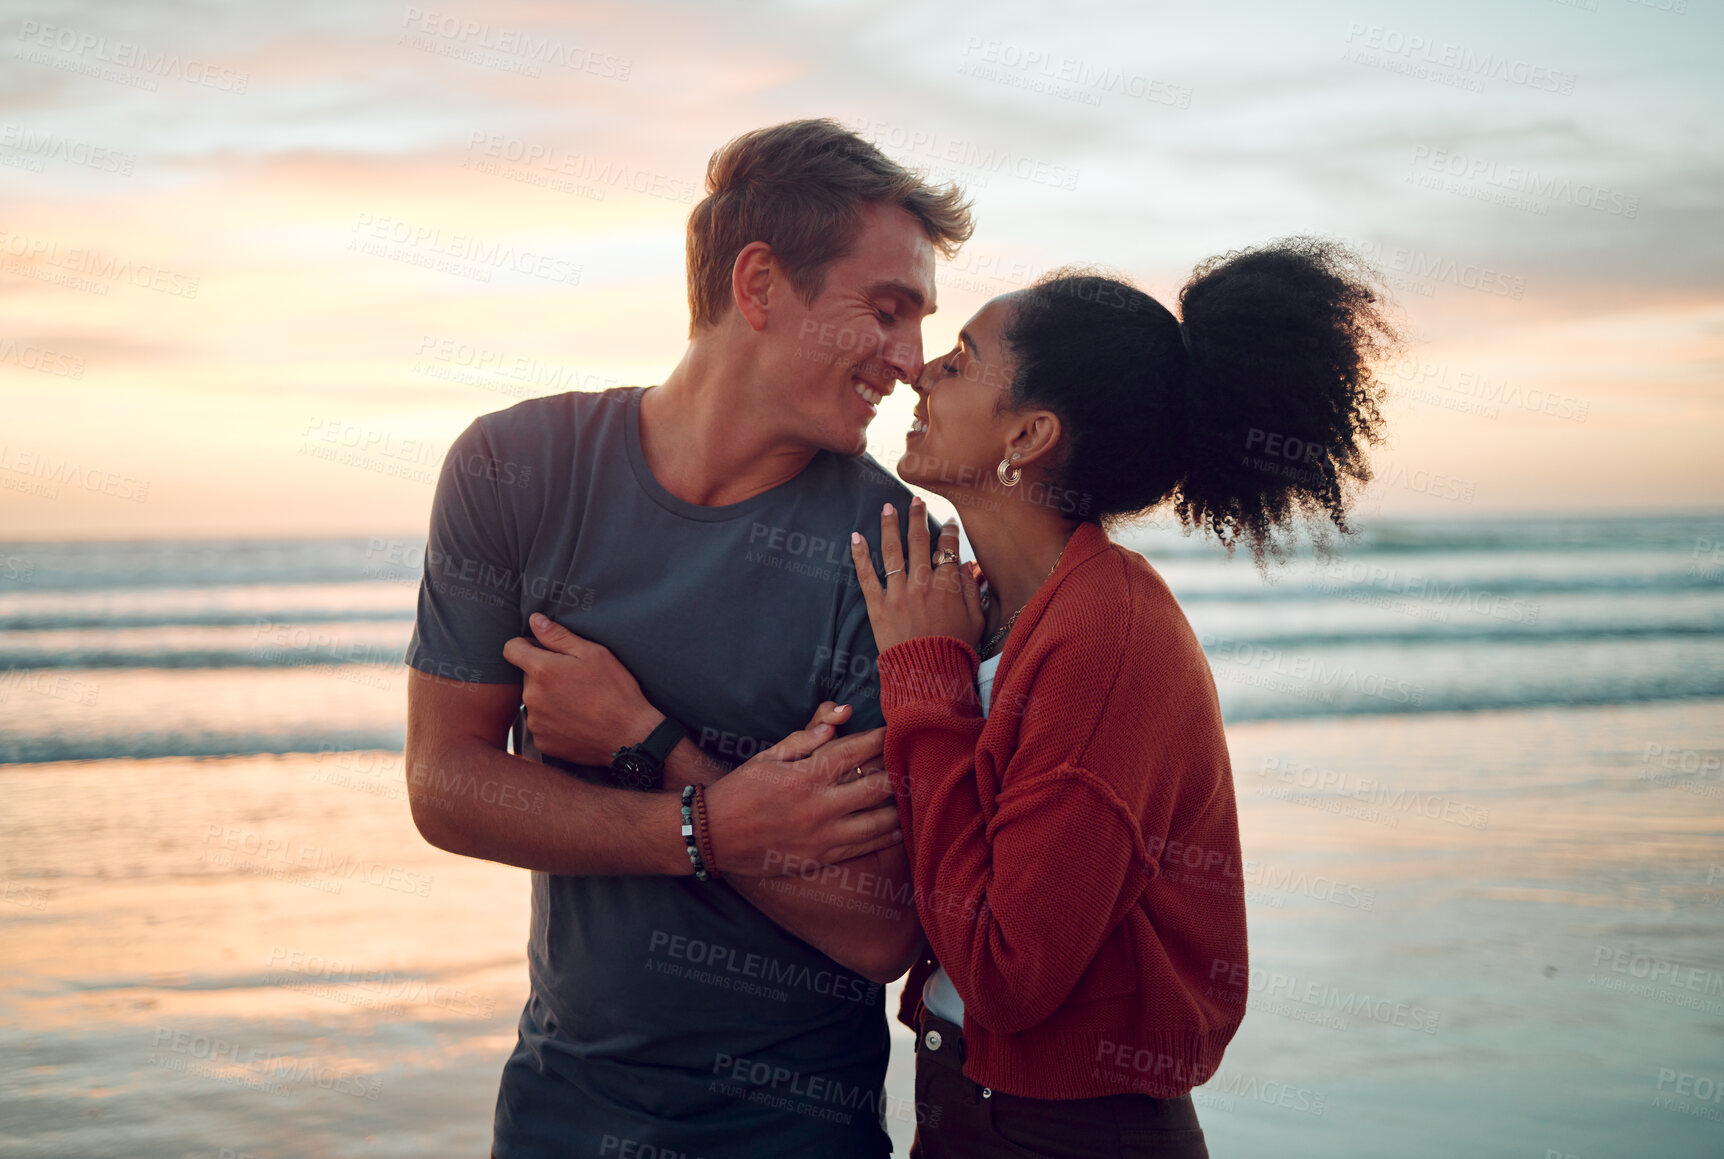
949,539
865,573
828,713
948,544
891,551
972,595
921,559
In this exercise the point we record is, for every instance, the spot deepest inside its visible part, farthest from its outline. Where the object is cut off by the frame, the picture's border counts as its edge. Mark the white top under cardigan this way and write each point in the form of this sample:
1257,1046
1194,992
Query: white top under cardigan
938,994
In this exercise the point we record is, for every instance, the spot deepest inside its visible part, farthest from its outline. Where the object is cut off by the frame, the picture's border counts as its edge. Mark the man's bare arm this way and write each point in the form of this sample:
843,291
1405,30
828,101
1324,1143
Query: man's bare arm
860,913
863,917
470,797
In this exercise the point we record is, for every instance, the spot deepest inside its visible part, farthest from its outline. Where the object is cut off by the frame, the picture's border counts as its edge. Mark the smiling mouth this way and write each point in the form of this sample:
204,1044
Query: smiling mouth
870,396
917,426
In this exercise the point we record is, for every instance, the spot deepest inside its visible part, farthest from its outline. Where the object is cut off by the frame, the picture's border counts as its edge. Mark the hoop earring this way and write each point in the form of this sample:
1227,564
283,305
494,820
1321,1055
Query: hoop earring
1005,465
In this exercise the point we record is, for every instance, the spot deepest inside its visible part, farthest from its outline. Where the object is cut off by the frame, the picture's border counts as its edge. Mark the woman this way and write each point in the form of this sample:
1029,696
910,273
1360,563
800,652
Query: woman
1063,782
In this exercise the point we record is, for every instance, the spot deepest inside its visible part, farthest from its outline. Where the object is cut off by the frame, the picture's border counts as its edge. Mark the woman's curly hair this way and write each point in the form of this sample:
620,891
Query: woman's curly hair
1256,416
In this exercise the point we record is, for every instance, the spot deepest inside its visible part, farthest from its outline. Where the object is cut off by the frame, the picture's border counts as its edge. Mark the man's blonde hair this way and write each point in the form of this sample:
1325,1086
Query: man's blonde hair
799,187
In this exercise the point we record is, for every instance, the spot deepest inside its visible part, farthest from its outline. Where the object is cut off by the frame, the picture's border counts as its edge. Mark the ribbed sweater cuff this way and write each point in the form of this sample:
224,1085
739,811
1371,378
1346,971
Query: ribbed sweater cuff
928,668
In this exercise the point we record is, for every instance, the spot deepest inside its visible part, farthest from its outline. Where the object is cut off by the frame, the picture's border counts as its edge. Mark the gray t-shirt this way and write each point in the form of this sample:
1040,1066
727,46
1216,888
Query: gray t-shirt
667,1012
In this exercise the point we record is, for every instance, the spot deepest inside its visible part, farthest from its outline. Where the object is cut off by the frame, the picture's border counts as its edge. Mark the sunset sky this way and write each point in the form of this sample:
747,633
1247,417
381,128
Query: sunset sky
260,263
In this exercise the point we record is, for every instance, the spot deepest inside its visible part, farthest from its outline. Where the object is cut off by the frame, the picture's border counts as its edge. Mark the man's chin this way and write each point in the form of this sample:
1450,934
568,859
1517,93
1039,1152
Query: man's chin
847,439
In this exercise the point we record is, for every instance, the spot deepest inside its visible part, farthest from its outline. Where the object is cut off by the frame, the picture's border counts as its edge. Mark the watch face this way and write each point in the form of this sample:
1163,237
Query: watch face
634,768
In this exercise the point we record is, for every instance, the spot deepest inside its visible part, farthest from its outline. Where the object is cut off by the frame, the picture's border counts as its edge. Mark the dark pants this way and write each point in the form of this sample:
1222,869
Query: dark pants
959,1119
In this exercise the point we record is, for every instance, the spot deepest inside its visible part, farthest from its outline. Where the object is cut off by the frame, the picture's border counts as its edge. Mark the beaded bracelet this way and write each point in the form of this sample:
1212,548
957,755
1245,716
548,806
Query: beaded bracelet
694,859
703,833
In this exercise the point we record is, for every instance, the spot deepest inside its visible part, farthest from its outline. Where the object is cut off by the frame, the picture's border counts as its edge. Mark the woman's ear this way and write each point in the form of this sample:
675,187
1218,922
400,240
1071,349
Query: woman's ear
1037,439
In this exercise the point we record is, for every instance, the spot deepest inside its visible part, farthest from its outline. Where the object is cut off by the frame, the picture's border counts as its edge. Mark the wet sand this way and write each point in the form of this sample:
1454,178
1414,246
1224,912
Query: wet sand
1495,933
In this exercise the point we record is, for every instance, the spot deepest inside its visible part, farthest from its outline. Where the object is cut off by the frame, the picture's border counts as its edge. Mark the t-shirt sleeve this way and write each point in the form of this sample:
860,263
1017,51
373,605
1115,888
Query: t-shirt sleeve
469,594
856,658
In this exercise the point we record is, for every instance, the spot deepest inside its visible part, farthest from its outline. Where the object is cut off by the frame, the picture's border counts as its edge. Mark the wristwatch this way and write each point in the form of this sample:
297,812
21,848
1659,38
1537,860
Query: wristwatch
641,766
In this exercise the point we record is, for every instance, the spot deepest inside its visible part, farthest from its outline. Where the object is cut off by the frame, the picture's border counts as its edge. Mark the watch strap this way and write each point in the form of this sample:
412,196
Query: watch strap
661,740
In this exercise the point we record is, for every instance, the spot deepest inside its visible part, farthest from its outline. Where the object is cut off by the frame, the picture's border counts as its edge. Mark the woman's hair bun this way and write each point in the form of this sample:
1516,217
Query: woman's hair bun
1263,419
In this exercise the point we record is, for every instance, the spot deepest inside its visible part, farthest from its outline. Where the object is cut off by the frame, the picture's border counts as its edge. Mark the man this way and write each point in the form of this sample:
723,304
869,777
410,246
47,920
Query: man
697,534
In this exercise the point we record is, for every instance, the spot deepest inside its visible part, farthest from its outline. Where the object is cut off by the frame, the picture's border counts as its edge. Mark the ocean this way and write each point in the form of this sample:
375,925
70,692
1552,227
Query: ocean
217,648
1479,767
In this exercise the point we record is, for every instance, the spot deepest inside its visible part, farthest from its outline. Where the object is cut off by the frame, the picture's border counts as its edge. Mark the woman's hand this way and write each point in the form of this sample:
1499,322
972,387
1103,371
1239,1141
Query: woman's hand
918,599
582,703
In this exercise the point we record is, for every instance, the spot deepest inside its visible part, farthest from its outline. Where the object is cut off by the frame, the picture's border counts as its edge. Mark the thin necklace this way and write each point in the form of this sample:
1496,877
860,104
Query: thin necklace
988,648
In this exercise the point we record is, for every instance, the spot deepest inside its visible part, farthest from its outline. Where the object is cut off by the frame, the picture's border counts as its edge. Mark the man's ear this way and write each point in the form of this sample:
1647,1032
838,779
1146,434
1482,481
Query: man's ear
751,282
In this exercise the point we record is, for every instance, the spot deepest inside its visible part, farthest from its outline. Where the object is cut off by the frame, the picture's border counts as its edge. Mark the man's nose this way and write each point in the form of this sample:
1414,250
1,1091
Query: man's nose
906,361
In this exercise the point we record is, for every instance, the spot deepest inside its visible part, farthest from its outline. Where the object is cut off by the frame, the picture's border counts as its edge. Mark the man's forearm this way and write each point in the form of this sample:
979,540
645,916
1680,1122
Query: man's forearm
861,913
471,798
479,801
688,765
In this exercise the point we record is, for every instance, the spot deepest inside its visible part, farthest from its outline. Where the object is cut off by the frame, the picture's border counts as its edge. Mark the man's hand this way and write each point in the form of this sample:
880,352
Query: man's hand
801,801
582,703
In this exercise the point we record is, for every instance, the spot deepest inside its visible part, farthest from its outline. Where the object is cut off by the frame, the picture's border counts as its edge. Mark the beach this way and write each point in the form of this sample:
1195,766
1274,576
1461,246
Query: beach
1411,312
1483,933
1480,776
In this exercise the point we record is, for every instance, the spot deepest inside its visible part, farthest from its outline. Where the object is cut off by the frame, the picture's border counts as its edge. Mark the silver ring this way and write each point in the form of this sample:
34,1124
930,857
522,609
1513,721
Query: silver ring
893,572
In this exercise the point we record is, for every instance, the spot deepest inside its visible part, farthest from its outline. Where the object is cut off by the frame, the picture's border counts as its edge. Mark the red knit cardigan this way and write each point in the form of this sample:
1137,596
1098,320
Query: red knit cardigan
1075,852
